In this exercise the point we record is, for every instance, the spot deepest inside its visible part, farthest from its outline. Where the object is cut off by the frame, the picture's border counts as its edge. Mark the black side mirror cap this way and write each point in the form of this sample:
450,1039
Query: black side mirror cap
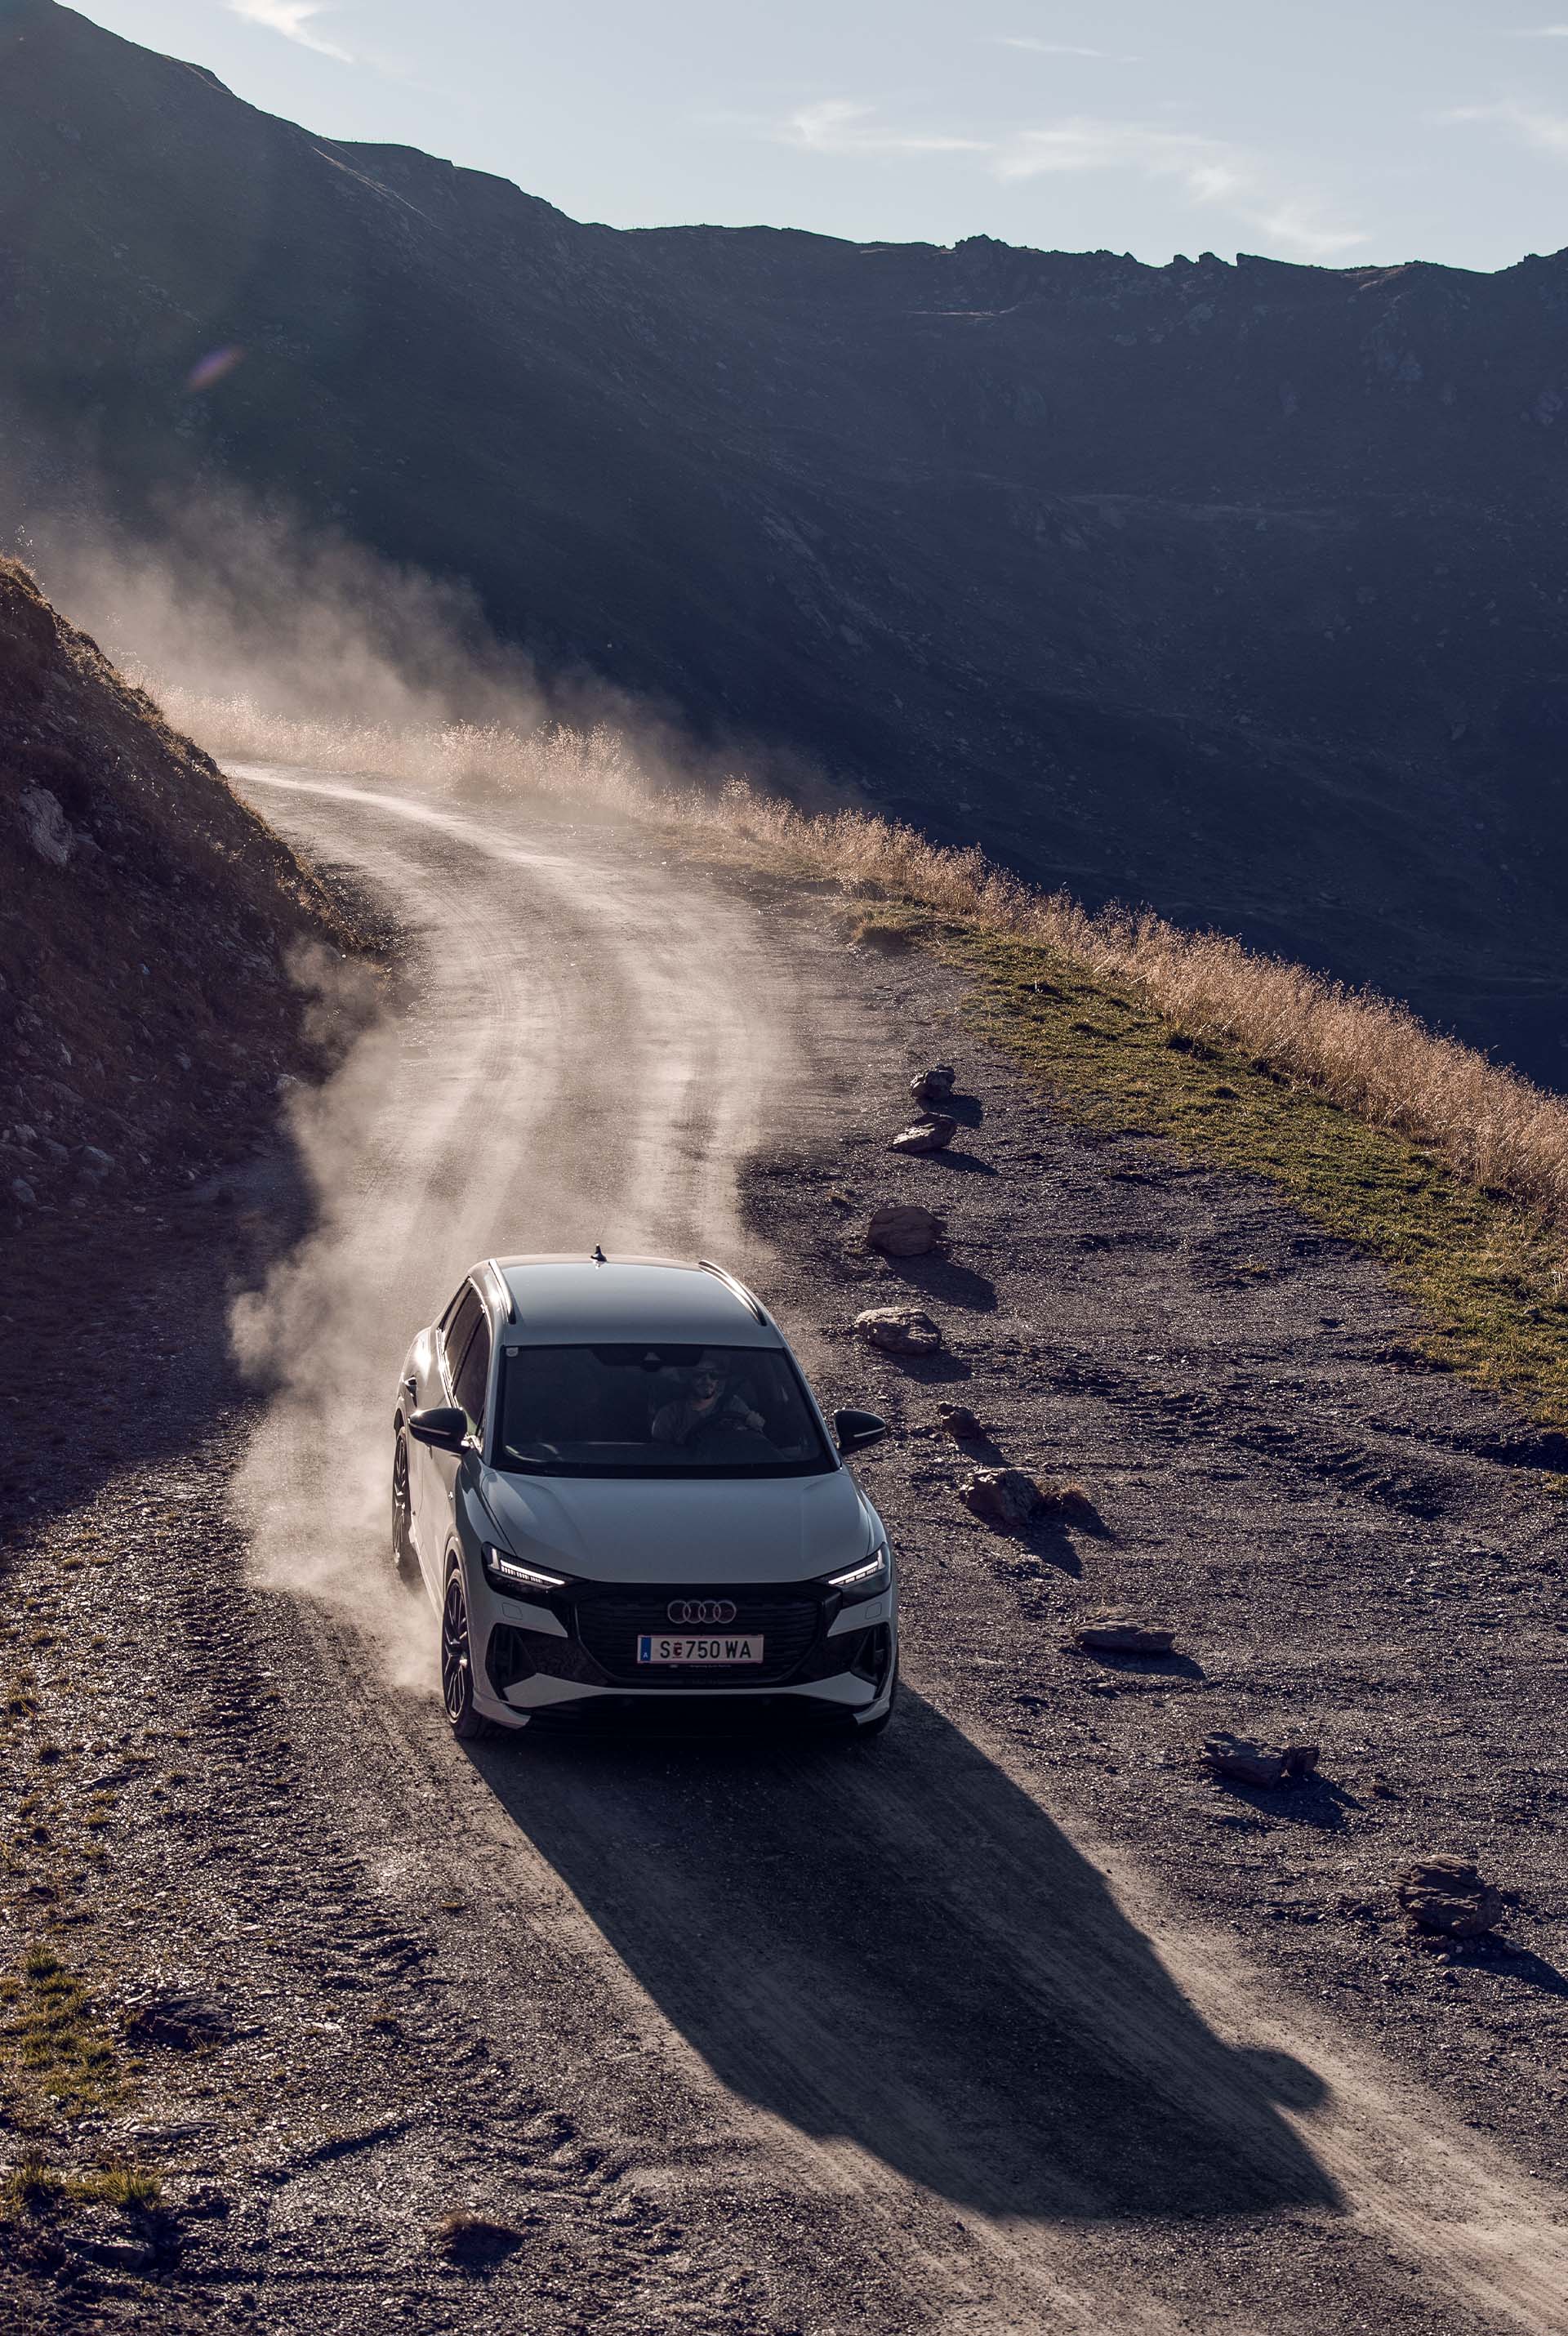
853,1430
444,1427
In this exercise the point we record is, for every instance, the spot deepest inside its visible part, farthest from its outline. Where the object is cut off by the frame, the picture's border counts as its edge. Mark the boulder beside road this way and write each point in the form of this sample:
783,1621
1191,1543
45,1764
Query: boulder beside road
902,1229
1123,1634
934,1085
1449,1897
932,1134
1003,1497
899,1330
1266,1766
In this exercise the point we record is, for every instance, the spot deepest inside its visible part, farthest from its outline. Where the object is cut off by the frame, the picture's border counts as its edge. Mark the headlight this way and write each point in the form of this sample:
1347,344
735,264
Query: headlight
504,1573
863,1580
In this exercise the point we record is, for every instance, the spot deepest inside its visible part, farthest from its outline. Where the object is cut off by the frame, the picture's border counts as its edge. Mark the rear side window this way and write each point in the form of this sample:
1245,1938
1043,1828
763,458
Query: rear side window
464,1320
472,1375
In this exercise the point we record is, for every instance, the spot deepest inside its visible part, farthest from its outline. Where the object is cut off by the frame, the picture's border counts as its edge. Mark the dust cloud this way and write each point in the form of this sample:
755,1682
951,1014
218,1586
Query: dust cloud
269,641
313,1481
313,1487
280,648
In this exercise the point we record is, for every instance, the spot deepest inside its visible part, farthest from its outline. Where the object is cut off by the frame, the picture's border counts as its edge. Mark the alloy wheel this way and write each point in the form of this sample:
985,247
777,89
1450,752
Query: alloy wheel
456,1684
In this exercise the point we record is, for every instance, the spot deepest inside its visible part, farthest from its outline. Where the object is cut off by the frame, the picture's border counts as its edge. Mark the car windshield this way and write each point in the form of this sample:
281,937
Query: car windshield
656,1411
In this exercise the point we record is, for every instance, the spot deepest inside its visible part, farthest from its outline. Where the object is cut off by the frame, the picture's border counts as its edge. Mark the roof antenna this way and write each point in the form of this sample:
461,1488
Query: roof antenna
598,1256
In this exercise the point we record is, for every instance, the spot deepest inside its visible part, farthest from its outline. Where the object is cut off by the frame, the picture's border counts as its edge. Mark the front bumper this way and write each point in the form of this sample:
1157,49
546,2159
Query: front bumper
575,1655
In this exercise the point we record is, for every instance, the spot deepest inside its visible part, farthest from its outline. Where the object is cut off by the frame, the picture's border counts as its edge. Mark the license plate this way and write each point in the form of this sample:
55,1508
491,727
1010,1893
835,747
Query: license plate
734,1648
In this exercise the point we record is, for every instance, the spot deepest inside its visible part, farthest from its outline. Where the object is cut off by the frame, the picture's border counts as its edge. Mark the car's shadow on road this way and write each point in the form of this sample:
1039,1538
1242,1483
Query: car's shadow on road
892,1943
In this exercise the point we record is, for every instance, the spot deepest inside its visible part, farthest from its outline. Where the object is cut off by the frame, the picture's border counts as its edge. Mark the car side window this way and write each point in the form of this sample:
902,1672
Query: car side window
472,1375
461,1329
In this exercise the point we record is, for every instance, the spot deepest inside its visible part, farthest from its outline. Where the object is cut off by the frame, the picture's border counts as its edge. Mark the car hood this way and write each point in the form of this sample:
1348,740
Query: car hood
728,1529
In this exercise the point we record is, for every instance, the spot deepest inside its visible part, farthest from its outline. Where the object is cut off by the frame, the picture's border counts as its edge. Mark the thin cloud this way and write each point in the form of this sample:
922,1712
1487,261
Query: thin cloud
1538,33
1058,48
1546,133
1311,237
1209,169
292,19
839,125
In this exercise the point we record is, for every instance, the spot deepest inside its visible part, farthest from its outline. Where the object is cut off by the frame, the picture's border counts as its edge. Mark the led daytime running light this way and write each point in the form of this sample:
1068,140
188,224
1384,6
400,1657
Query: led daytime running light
861,1576
510,1573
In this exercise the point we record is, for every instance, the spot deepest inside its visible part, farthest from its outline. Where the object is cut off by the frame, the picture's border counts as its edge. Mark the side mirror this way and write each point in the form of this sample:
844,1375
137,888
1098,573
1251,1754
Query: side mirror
853,1430
444,1427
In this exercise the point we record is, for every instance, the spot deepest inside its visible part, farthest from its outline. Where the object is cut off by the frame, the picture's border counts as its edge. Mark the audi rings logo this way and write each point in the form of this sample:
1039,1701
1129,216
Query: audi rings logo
701,1610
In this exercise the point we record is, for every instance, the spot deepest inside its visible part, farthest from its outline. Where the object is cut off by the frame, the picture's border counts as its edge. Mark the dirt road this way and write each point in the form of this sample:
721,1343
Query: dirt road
873,2037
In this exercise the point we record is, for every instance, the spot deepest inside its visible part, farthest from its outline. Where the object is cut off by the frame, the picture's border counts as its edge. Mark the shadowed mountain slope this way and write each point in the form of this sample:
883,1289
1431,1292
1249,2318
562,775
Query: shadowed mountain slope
146,1013
1239,589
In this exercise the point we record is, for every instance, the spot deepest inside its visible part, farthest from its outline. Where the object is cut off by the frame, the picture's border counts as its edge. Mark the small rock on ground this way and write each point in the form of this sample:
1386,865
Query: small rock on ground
1449,1896
904,1229
1123,1634
897,1330
934,1085
475,2240
933,1134
1267,1766
1003,1497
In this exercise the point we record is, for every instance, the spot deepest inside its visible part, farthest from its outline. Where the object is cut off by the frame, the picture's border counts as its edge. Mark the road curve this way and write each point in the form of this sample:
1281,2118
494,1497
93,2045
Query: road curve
881,2012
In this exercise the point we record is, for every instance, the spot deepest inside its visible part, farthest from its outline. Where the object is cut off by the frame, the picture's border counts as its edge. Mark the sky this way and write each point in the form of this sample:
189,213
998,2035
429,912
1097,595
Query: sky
1309,129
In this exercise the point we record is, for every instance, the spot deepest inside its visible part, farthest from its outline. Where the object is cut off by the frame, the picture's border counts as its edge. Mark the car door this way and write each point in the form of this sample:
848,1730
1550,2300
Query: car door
468,1370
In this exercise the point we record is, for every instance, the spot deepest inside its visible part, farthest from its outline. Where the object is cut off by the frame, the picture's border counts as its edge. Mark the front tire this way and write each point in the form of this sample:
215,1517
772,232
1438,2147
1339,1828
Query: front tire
457,1665
405,1557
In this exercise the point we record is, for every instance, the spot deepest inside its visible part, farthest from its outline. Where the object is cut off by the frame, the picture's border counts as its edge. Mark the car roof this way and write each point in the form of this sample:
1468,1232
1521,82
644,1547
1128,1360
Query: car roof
558,1299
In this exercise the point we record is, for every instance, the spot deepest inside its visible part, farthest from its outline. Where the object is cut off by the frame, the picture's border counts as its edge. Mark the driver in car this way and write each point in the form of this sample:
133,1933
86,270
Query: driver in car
710,1401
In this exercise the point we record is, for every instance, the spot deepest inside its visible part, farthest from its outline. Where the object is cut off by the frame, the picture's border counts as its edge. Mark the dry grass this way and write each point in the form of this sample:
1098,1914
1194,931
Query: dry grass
596,768
1368,1054
134,2189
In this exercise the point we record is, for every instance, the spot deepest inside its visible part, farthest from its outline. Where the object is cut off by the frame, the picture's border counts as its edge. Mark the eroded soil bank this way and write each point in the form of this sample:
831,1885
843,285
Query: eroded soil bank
1012,2020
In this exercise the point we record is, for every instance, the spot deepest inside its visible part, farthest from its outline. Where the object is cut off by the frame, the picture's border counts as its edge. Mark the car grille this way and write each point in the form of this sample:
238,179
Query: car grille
610,1626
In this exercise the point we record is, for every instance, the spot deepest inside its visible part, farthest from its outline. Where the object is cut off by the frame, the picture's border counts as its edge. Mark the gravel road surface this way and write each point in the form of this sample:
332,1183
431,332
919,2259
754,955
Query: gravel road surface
924,2033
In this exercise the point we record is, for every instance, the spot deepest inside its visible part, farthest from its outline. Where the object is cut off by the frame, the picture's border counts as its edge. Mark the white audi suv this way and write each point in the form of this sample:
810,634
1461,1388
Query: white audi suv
621,1495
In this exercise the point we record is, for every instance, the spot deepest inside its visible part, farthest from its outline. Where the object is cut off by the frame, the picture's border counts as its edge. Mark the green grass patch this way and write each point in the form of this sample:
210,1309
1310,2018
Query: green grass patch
134,2189
35,2190
1488,1282
33,2187
54,2049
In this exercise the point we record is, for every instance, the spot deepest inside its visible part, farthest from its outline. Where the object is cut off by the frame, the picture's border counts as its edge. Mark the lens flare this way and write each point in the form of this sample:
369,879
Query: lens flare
213,367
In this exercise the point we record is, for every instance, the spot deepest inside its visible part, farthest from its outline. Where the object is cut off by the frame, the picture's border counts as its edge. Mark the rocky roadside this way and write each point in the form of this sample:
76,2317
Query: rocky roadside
1349,1550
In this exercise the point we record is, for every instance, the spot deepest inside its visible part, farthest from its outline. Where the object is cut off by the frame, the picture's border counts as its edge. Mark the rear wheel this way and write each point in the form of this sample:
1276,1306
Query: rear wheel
404,1555
457,1665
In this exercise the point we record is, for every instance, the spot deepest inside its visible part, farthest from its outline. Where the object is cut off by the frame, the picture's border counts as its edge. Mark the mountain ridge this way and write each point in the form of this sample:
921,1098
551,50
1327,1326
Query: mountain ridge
1235,589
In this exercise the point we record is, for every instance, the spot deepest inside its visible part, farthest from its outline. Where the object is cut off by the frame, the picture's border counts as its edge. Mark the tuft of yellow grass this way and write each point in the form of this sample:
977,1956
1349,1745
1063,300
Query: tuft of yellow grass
1369,1055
